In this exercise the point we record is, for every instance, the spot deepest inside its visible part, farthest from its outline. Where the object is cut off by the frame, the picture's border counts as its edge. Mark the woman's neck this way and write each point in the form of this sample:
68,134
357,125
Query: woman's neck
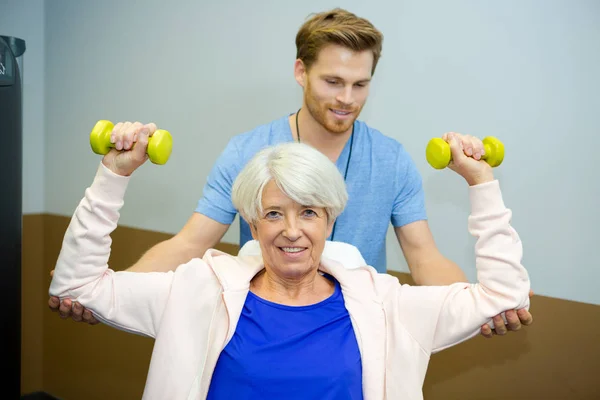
292,291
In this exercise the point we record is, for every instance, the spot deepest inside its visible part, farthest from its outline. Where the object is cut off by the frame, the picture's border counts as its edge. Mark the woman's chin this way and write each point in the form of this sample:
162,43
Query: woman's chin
295,266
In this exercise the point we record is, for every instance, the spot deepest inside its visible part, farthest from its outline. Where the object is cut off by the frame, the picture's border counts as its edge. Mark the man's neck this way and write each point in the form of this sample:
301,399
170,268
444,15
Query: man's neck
313,133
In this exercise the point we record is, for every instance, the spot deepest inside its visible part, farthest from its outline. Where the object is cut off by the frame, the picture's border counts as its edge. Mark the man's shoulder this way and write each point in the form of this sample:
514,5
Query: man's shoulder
243,146
381,144
262,135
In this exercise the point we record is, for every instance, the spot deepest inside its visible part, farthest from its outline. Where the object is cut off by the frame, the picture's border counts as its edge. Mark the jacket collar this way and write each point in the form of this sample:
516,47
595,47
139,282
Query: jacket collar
361,298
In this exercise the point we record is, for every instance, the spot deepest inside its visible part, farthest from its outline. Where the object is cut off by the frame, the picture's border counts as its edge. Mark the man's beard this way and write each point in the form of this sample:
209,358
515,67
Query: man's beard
322,114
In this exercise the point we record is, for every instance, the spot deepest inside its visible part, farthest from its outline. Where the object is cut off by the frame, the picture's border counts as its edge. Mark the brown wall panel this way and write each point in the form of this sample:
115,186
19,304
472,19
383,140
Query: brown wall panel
33,286
558,357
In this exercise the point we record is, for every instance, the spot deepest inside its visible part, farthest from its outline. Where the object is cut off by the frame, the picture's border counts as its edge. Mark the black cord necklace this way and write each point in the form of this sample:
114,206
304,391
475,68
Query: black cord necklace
347,163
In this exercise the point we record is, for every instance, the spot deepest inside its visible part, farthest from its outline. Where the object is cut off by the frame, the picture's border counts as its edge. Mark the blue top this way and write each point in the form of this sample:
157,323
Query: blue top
290,352
383,186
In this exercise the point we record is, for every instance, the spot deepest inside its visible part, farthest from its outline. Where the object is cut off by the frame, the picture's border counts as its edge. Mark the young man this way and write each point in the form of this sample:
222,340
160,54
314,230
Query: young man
337,54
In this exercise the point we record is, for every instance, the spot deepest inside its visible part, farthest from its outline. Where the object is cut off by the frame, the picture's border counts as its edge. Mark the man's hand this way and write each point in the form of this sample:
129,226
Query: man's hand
131,142
514,318
67,309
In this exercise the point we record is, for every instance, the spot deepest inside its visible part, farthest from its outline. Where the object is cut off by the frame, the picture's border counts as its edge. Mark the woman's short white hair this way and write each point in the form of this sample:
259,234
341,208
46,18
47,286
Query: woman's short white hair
301,172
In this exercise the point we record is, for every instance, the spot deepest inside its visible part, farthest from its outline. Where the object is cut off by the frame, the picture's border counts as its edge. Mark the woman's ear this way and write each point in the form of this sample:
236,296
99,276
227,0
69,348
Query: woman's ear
253,230
330,227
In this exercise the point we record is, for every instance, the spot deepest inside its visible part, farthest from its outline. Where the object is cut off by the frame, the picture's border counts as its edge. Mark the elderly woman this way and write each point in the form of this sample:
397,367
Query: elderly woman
290,323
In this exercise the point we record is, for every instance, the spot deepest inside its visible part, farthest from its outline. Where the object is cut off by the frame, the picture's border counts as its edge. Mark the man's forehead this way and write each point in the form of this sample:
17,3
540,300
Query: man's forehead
345,74
344,63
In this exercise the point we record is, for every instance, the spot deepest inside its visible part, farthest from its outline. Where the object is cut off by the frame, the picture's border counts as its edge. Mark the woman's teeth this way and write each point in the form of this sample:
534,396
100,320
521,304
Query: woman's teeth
292,249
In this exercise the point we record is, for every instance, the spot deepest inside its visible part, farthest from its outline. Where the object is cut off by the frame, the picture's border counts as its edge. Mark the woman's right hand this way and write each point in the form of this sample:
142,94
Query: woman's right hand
129,152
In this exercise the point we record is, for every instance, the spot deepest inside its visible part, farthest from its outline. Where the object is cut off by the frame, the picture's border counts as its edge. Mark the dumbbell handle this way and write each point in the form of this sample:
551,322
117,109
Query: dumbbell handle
160,144
439,155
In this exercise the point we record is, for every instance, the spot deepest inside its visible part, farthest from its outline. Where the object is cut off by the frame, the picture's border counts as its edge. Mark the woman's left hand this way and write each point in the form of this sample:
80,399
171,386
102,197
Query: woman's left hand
466,158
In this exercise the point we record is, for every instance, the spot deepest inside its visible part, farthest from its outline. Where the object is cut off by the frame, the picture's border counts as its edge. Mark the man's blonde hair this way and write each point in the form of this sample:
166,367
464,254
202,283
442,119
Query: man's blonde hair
338,27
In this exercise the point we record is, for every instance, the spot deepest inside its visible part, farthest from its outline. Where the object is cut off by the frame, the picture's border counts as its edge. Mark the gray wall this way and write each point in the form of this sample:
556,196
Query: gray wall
526,72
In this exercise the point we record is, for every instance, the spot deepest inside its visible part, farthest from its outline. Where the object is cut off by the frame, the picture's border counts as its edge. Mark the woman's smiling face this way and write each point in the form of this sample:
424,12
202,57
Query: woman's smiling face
292,236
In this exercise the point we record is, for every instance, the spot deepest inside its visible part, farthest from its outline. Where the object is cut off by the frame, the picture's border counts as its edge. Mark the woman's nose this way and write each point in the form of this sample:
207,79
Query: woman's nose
292,230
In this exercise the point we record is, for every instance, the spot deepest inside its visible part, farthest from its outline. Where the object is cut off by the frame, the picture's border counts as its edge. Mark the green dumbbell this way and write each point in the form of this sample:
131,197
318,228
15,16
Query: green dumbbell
159,148
438,152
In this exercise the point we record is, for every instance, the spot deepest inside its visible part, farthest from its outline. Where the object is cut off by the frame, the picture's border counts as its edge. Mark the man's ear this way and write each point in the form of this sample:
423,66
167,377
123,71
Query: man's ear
300,72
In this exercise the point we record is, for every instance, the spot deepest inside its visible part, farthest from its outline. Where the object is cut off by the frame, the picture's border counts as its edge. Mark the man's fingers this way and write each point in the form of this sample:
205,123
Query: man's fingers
53,303
512,319
65,308
525,317
77,312
89,318
499,326
486,331
77,309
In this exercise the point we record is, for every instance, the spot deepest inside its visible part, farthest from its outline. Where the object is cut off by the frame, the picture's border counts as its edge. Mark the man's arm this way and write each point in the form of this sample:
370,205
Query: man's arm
427,265
129,302
443,316
199,234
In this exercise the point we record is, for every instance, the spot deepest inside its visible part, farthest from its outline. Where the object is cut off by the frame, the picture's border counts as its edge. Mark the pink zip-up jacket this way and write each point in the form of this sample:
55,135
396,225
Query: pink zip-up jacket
192,312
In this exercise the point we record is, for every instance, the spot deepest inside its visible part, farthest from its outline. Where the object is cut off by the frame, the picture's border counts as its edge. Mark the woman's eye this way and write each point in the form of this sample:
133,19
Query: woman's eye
272,215
310,213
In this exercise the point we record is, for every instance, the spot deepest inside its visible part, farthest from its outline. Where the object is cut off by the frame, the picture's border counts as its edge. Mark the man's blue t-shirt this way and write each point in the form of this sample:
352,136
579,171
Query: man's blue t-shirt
290,352
383,186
